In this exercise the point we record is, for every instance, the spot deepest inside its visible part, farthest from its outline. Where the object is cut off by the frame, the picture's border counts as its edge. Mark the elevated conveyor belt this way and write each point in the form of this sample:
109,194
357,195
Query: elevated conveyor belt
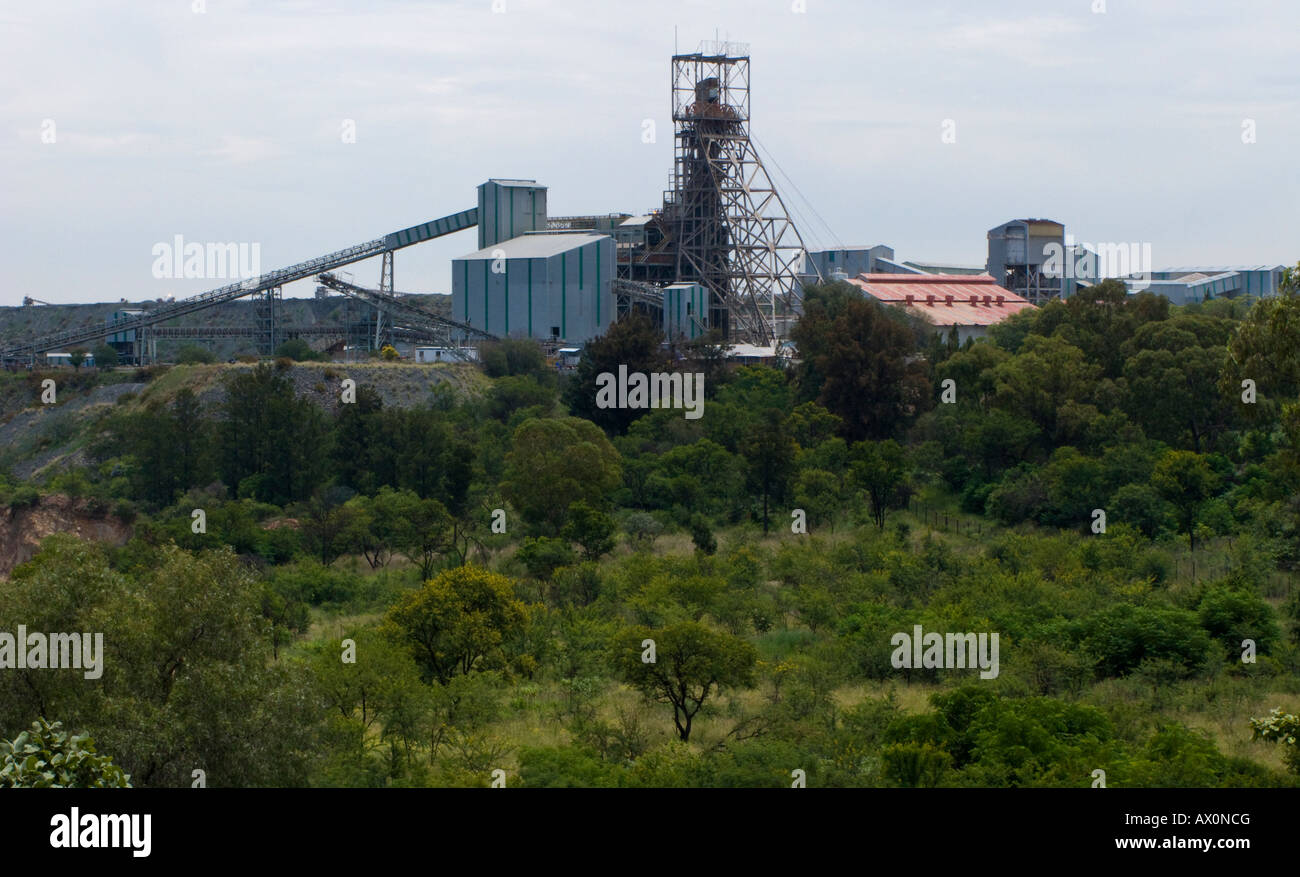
402,310
388,243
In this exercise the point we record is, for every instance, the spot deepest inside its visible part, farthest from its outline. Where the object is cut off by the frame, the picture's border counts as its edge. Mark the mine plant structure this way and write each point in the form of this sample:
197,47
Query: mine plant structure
722,227
723,223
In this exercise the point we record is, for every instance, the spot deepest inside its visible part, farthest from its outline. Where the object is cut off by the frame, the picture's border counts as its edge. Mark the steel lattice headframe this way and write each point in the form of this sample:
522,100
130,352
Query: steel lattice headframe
733,231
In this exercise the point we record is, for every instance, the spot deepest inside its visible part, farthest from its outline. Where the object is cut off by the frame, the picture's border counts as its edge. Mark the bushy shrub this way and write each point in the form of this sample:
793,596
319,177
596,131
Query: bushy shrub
45,757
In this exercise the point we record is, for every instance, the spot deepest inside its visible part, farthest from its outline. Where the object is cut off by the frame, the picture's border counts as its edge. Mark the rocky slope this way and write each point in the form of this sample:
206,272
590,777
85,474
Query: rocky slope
23,528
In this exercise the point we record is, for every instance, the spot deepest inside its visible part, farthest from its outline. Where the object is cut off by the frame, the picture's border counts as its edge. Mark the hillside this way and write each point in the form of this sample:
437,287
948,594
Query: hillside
38,440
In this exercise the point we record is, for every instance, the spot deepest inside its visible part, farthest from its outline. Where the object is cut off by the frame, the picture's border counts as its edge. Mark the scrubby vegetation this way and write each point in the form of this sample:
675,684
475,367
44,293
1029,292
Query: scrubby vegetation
524,581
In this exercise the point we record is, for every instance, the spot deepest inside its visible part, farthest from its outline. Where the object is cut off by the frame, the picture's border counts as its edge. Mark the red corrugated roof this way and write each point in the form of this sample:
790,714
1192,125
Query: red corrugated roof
944,299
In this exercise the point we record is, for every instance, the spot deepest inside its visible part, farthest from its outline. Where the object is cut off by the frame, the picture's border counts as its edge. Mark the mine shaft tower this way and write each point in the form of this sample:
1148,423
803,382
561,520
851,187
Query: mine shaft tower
732,231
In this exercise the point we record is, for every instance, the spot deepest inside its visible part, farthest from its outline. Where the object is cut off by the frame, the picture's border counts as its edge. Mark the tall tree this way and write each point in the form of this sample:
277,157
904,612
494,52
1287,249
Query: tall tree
187,672
1185,480
880,468
769,454
692,663
554,463
1042,379
1172,374
457,622
193,441
355,438
864,365
1266,350
105,356
274,445
635,342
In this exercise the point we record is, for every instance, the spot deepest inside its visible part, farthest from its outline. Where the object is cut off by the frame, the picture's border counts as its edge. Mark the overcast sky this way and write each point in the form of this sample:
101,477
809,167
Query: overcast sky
227,124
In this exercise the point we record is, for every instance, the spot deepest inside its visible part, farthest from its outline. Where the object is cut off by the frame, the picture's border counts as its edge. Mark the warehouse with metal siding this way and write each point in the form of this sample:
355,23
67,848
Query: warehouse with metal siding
1190,285
544,285
849,261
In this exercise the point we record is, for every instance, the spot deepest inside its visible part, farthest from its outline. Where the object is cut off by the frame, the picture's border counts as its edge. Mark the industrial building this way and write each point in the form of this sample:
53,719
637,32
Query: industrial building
723,224
850,262
846,262
1189,285
931,267
508,208
130,344
1018,251
968,303
445,354
686,311
547,285
59,359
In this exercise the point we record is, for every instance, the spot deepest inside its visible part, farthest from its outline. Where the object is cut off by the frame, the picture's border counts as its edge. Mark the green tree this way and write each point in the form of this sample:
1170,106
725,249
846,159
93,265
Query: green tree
513,394
818,493
702,535
420,528
914,765
1186,481
542,556
1041,380
298,350
357,442
769,454
861,364
692,664
169,448
330,528
192,441
273,444
1172,375
354,530
1122,637
188,676
880,468
457,622
633,342
1266,349
1280,727
642,529
1142,506
554,463
702,476
510,357
971,371
591,529
378,688
76,357
105,356
1232,614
